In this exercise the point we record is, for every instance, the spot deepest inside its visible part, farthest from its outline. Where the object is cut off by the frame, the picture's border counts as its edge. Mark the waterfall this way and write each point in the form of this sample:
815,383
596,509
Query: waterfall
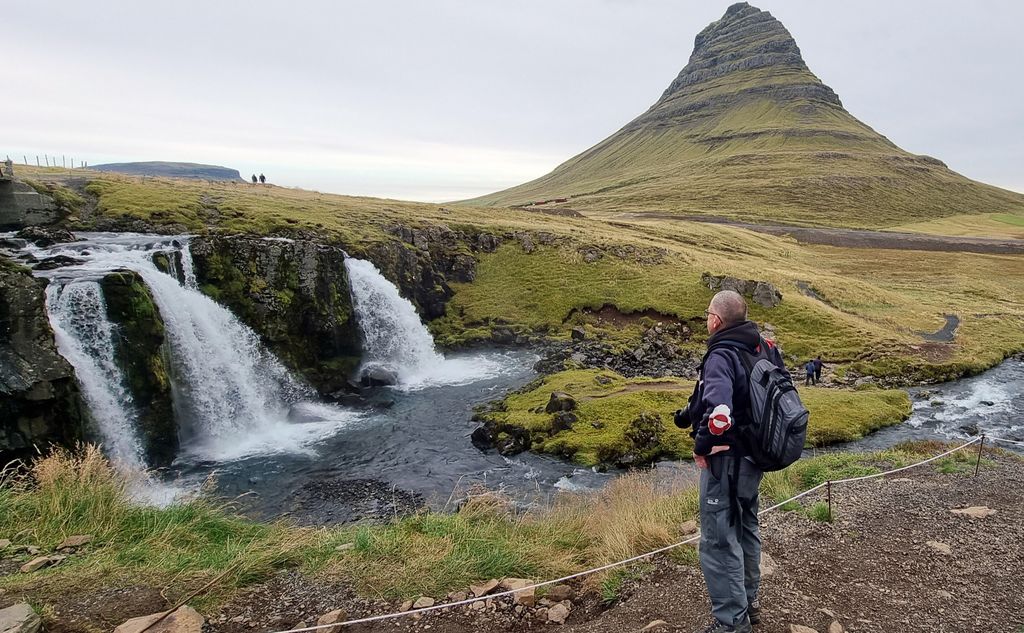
85,337
395,339
227,381
232,397
188,268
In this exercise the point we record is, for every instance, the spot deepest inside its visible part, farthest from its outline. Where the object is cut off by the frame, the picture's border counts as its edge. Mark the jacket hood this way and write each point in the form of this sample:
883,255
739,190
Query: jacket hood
745,334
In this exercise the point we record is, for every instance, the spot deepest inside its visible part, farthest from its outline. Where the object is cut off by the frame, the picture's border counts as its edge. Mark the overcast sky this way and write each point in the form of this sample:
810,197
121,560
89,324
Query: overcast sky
444,99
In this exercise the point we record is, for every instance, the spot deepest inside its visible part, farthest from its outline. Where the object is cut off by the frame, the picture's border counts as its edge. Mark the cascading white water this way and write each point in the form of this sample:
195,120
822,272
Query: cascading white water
232,397
84,335
395,339
188,268
393,335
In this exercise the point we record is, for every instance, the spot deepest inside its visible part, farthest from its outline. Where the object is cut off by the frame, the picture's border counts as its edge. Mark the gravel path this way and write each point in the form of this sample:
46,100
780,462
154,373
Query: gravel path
895,559
855,238
872,570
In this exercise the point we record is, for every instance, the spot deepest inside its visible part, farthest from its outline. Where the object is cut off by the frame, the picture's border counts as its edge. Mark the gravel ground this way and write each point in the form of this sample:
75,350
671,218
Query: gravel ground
871,570
878,567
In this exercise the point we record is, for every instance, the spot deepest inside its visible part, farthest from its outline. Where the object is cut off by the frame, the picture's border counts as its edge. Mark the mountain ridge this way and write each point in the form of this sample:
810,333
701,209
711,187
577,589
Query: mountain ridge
171,170
747,131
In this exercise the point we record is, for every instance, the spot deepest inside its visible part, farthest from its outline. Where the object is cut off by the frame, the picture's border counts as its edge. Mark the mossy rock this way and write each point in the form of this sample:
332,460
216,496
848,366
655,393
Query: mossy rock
142,355
295,295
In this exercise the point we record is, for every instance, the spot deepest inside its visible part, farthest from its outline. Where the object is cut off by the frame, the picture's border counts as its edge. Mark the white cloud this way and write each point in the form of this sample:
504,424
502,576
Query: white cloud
449,99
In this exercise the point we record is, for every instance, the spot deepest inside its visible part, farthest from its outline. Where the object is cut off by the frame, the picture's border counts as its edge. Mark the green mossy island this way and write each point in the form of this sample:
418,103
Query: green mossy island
623,421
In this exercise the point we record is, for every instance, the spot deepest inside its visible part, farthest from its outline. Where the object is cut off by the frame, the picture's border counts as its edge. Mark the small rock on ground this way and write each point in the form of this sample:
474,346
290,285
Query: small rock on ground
332,617
975,512
183,620
19,618
558,613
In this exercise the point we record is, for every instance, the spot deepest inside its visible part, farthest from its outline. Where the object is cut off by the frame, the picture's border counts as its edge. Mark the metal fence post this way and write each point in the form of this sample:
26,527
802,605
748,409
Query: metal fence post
981,446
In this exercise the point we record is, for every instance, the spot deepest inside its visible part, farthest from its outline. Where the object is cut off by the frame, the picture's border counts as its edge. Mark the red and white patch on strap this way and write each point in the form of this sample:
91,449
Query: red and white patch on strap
720,420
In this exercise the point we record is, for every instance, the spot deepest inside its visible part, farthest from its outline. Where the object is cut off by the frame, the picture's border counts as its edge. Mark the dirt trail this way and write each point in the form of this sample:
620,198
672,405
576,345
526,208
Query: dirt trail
642,386
871,570
855,238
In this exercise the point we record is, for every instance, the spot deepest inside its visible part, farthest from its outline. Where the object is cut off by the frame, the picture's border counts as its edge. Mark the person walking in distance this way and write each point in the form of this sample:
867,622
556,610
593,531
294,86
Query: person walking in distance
263,179
809,369
254,179
817,369
730,542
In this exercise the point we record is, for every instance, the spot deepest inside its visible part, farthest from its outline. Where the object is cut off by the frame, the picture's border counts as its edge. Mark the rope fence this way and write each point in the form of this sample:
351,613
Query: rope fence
660,550
1005,441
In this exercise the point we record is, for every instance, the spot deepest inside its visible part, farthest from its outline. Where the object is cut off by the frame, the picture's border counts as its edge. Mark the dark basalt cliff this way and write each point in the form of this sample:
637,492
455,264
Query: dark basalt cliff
39,398
141,354
294,294
747,55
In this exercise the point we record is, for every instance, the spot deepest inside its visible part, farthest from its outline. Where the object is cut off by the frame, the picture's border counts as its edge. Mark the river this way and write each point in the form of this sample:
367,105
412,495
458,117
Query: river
253,433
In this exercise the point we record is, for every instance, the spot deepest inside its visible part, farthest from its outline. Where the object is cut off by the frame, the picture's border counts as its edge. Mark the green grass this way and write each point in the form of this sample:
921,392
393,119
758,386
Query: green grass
185,545
70,495
607,405
819,511
64,197
992,225
877,300
611,586
1006,218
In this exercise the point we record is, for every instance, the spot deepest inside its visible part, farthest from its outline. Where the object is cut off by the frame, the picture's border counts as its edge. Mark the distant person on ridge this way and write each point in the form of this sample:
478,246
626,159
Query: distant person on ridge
817,369
809,368
730,541
254,179
263,179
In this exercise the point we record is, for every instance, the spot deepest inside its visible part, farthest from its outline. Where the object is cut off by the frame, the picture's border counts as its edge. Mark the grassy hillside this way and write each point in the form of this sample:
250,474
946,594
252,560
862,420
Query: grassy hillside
873,305
747,131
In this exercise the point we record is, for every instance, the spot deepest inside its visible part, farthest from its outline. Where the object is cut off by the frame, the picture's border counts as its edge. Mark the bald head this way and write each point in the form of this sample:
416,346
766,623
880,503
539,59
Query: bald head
730,307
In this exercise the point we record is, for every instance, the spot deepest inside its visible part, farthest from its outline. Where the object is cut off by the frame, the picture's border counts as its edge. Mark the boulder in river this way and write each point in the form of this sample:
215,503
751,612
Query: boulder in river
378,377
46,236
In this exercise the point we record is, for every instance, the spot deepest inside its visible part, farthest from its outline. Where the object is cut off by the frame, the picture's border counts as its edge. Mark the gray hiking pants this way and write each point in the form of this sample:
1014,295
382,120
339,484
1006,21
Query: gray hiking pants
730,543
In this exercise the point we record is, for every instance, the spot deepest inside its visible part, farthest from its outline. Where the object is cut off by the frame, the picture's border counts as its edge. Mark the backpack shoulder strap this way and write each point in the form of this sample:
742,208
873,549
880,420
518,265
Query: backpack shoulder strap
740,355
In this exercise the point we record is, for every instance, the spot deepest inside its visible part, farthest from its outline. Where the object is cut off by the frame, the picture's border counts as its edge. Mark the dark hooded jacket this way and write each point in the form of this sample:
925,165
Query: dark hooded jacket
723,381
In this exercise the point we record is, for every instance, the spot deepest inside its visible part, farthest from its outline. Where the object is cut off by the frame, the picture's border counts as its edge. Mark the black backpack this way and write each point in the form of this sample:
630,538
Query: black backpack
774,430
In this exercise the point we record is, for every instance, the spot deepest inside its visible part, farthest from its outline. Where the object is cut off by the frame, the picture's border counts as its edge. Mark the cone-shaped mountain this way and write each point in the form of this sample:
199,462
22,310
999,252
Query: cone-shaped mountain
748,131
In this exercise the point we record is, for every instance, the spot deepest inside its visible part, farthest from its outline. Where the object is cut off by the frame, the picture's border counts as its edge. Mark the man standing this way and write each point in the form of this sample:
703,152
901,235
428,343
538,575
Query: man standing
817,369
809,369
730,542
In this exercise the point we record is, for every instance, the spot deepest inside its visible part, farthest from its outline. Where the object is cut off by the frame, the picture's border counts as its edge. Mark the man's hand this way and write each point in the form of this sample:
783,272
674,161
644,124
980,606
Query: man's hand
702,460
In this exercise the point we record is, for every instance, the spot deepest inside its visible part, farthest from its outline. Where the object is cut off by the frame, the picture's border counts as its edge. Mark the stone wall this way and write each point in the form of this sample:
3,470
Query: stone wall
21,206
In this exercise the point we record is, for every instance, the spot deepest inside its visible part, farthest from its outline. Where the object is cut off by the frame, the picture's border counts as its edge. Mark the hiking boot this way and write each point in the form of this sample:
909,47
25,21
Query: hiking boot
754,612
719,627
